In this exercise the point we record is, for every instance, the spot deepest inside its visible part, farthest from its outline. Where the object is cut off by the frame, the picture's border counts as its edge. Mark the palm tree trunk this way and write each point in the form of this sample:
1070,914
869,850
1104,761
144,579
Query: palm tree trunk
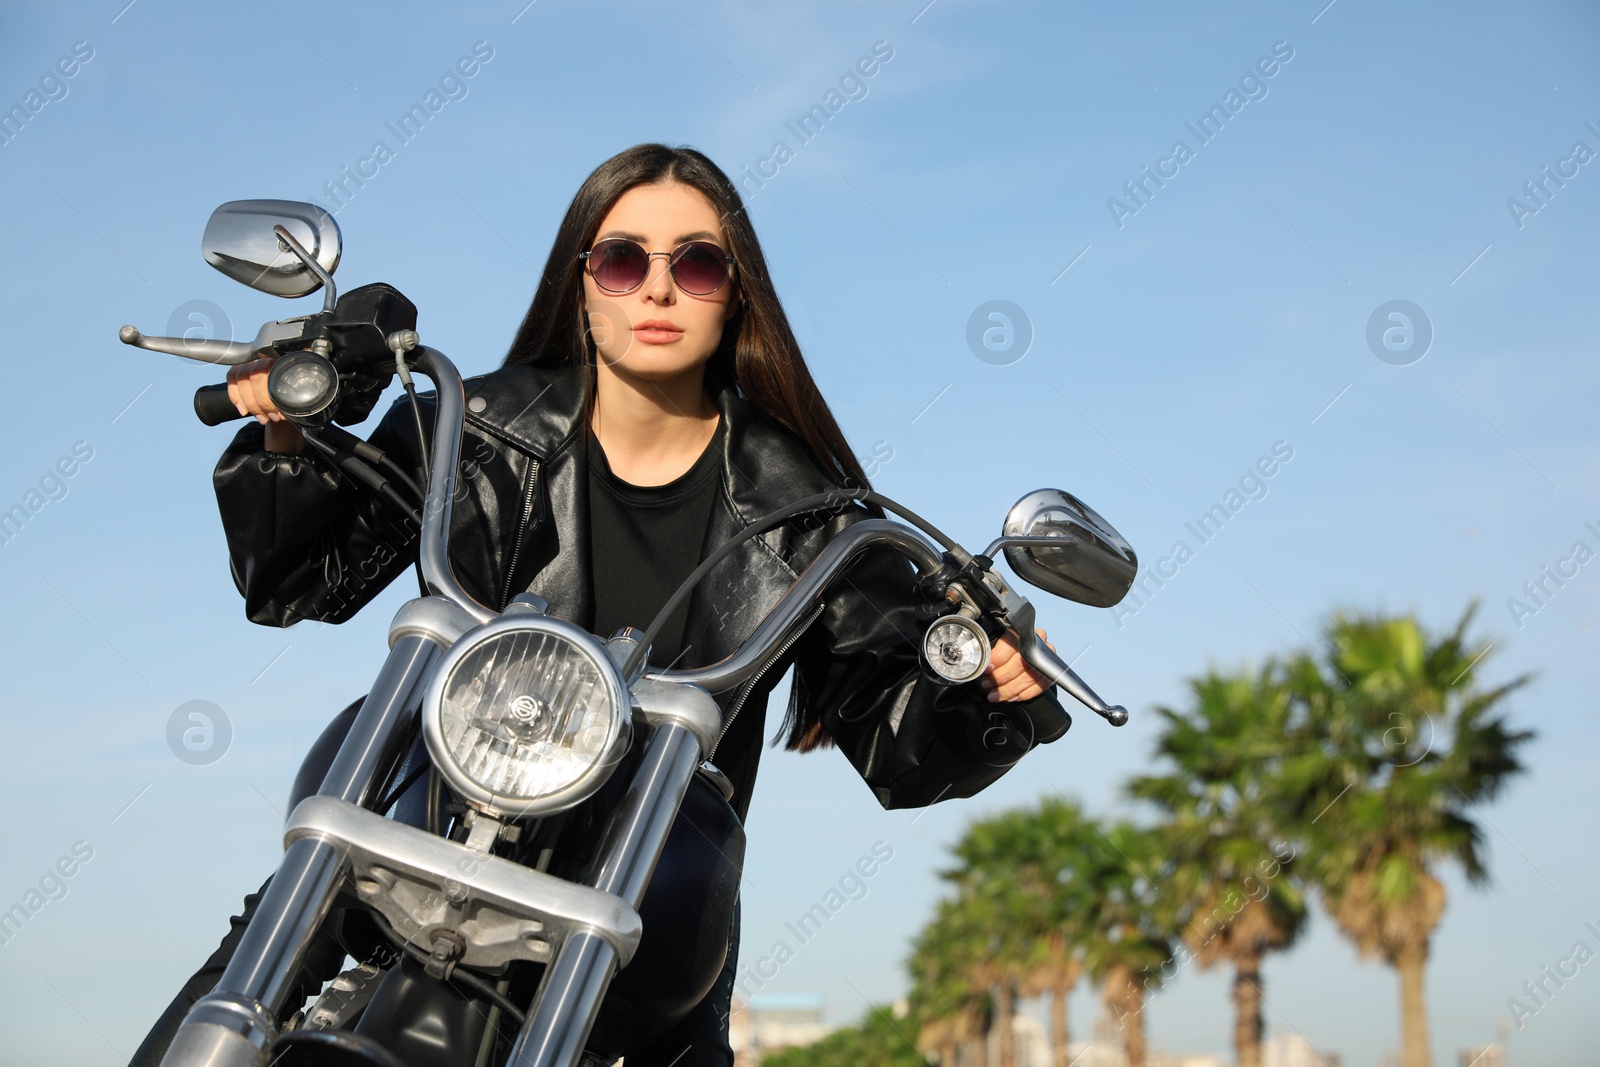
1059,1035
1005,1004
1123,997
1247,1009
1413,1011
1133,1037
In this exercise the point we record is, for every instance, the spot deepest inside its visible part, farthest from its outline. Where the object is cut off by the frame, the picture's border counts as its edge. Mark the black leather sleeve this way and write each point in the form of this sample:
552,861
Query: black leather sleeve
304,543
914,740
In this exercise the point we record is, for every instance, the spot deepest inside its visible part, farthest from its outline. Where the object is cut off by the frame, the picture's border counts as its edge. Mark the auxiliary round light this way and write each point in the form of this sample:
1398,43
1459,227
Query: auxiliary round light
304,385
956,649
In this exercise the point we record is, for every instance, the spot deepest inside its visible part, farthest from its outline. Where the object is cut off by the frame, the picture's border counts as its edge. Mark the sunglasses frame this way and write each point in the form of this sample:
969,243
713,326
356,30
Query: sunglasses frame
672,263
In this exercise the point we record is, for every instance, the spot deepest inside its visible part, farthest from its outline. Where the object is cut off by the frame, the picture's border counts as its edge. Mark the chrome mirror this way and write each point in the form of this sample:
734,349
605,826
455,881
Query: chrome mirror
242,241
1057,542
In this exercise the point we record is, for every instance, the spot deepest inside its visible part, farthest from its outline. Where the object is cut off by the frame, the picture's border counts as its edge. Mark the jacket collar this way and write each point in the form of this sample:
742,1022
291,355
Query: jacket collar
764,466
540,410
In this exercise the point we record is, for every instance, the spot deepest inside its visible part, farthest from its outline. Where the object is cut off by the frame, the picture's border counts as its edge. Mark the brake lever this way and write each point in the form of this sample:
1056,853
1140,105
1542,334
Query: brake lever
1047,662
1018,618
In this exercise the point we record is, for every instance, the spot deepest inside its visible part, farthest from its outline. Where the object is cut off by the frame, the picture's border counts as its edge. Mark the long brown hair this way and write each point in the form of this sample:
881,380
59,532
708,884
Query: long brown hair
758,353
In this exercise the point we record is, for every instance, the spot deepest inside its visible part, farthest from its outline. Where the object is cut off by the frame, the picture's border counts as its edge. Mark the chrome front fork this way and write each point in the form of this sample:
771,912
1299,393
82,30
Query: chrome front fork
554,1033
233,1025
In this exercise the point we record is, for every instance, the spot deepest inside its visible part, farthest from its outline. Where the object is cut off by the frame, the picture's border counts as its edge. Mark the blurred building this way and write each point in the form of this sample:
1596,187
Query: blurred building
763,1024
1482,1056
1184,1059
1292,1050
768,1023
1033,1048
1105,1050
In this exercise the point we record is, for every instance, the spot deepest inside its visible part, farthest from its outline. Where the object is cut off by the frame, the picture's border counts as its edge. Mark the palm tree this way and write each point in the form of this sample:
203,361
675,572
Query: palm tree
1030,860
1000,926
1126,942
1057,968
948,1001
1226,862
1394,748
878,1040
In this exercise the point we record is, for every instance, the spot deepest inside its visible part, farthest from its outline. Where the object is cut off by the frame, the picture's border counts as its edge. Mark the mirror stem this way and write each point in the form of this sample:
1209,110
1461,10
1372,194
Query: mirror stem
286,240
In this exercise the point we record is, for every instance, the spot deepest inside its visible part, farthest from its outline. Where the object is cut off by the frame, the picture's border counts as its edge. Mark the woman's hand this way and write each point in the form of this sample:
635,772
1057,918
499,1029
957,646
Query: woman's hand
247,388
1009,676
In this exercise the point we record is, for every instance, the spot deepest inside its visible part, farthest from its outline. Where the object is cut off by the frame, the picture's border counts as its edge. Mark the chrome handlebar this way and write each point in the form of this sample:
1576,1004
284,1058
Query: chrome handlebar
433,551
440,580
752,654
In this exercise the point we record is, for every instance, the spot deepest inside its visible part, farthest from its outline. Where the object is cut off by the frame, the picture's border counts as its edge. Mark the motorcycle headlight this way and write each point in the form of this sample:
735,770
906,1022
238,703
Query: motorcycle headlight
526,715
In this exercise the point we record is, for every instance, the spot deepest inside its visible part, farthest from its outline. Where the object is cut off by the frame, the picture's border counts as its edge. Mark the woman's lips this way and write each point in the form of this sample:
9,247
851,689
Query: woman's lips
652,334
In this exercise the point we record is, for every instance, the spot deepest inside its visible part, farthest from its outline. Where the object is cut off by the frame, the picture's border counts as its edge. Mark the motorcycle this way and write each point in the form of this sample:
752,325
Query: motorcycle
495,871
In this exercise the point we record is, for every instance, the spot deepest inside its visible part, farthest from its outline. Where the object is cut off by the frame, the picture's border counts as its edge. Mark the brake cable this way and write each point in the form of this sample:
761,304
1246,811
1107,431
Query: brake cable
347,456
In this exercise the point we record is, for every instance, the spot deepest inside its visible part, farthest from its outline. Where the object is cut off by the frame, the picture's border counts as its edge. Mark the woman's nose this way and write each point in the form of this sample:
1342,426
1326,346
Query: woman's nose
658,283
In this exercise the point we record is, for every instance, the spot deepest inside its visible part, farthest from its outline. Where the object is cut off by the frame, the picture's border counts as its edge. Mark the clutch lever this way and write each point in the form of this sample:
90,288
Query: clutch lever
223,353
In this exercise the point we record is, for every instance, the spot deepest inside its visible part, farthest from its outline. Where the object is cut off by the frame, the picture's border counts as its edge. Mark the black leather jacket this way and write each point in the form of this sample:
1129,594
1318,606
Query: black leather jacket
306,544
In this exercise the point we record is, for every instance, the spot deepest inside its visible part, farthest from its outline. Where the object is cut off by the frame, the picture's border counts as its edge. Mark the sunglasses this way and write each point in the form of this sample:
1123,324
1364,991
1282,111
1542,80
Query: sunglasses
619,265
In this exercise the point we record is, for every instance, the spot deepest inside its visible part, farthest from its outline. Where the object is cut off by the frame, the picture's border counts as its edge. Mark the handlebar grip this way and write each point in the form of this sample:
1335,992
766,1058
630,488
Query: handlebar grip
212,406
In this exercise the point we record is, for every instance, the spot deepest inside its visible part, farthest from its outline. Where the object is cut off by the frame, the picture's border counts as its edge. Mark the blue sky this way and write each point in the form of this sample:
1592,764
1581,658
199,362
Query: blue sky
1174,342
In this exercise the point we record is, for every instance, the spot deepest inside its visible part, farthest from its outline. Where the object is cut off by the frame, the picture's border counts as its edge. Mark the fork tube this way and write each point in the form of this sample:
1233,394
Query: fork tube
638,828
382,723
234,1023
554,1033
569,998
279,934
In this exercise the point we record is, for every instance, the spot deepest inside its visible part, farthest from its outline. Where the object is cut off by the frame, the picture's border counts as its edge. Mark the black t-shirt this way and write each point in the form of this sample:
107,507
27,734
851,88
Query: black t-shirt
643,542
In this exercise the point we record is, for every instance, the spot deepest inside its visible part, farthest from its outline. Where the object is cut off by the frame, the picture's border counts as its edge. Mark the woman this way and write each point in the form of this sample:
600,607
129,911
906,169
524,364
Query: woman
654,402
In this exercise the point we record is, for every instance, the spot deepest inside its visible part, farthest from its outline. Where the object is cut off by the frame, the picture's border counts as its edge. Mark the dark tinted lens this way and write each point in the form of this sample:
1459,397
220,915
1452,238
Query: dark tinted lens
699,268
618,265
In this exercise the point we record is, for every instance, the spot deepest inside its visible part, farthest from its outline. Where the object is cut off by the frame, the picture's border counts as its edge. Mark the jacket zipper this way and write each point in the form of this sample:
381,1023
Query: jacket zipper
749,686
516,545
